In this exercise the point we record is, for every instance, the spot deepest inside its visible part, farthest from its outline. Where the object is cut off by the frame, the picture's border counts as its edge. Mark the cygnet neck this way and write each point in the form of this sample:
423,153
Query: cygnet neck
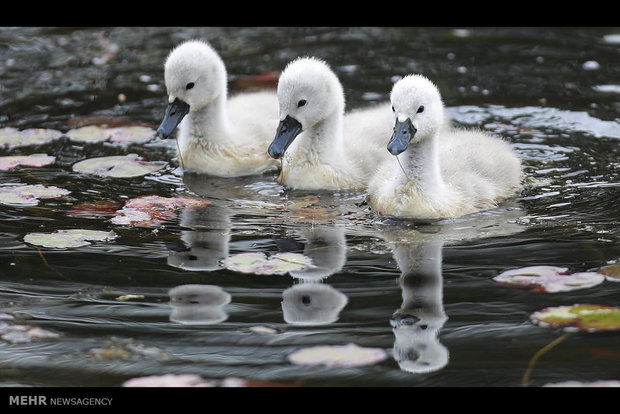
324,140
210,122
421,164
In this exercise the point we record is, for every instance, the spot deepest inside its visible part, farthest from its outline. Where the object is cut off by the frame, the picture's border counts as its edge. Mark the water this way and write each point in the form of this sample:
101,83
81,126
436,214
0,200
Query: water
553,93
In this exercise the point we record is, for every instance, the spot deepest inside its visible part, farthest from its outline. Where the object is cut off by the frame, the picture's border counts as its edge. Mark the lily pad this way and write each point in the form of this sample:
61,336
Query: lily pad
582,317
35,160
94,133
62,239
193,380
350,355
260,264
611,272
153,210
123,166
548,279
12,137
29,195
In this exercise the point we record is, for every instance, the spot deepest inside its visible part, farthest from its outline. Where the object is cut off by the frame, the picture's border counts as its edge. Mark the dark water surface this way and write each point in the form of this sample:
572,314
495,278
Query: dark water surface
553,93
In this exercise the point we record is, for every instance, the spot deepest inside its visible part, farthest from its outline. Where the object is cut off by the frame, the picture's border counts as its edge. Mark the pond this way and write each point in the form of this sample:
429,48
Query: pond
159,299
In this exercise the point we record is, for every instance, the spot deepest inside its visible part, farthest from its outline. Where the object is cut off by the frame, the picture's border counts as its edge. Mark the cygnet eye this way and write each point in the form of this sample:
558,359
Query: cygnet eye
393,110
421,109
189,86
301,103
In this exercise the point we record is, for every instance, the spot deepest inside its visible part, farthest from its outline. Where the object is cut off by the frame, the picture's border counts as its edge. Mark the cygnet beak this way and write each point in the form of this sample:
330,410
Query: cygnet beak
403,133
287,131
175,113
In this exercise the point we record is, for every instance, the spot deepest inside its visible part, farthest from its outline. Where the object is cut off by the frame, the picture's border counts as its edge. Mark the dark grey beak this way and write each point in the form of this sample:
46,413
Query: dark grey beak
175,113
403,132
287,130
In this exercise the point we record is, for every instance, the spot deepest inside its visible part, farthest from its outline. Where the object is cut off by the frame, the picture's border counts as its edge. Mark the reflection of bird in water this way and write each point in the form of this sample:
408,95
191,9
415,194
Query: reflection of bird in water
207,238
312,302
198,304
327,247
207,241
418,253
417,323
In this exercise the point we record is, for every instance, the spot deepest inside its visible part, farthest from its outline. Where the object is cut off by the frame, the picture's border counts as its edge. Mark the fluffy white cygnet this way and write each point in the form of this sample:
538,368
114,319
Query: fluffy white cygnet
445,172
320,147
217,136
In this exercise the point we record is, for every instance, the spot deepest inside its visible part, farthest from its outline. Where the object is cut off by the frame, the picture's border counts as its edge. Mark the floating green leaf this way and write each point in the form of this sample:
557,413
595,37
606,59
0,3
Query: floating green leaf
12,137
34,160
130,165
583,317
63,239
548,279
124,134
350,355
28,195
260,264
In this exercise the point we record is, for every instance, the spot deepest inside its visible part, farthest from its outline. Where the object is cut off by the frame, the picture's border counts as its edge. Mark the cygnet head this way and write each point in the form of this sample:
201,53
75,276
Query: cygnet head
418,112
195,76
308,92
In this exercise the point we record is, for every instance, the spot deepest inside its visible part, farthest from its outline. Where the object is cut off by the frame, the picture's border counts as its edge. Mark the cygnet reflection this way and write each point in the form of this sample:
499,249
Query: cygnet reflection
326,245
417,322
198,304
312,302
418,254
207,242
